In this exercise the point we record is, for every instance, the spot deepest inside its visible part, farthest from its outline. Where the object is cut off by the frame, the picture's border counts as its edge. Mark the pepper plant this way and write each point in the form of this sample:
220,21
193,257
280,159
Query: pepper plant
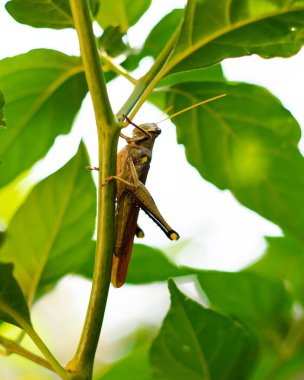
250,325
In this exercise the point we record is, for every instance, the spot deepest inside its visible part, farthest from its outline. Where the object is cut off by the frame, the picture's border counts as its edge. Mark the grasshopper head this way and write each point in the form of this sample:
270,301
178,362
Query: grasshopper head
150,128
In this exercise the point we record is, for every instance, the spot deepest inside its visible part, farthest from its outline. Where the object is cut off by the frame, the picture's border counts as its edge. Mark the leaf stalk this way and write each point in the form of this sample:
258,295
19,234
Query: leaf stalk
118,69
146,84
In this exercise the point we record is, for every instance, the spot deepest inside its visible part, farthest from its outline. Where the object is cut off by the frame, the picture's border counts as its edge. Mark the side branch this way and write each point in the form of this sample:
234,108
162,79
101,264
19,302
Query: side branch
146,84
12,347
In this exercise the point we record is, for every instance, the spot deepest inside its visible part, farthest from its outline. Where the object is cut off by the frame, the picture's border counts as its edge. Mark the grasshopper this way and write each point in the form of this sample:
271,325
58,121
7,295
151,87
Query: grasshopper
133,164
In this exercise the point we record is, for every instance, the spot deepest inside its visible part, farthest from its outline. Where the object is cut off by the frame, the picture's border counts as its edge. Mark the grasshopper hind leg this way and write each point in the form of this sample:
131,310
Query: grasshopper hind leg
145,201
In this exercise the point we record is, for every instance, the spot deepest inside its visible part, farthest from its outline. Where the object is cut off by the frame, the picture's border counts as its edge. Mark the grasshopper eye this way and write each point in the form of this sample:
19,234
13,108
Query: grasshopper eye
155,130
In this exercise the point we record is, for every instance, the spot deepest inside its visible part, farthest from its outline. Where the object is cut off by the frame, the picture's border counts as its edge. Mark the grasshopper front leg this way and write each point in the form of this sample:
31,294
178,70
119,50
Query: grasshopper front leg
119,179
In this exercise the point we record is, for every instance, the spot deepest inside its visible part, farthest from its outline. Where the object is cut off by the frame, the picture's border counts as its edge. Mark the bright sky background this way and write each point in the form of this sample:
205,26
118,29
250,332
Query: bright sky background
216,231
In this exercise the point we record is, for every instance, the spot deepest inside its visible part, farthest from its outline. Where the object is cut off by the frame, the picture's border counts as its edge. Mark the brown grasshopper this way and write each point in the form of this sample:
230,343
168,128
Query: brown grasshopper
133,164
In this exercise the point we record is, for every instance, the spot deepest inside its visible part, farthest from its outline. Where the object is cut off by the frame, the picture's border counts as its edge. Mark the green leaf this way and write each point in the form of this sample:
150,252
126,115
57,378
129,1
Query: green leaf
50,235
122,13
54,14
245,142
13,308
263,305
2,237
215,30
209,74
111,41
196,343
12,196
284,260
86,266
2,118
150,265
44,90
132,367
161,33
233,293
291,368
147,265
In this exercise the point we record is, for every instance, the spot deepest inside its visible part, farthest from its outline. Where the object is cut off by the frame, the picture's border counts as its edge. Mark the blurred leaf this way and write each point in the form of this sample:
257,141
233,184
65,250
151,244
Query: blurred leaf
86,266
94,6
147,265
44,90
150,265
261,304
122,13
161,33
154,43
215,30
111,41
283,260
2,118
2,237
12,196
291,367
234,293
54,14
285,366
13,308
132,61
245,142
196,343
132,367
135,364
267,360
50,235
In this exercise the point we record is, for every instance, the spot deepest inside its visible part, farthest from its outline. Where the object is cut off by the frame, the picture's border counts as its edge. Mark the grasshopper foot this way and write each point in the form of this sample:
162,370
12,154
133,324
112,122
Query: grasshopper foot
108,179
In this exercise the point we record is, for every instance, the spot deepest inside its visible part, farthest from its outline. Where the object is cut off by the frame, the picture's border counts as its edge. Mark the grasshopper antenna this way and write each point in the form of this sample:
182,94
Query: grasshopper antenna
165,111
193,106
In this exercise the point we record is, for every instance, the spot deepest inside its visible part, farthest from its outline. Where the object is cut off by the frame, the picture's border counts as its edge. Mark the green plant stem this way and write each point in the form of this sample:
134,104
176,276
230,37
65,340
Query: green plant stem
116,68
108,131
146,84
12,347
